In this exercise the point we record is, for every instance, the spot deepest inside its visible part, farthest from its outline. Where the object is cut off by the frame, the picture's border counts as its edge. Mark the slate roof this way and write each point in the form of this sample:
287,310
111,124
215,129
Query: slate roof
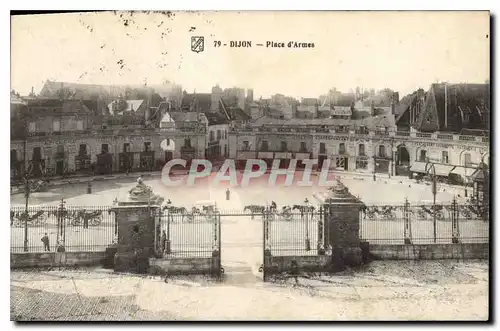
132,105
470,99
184,116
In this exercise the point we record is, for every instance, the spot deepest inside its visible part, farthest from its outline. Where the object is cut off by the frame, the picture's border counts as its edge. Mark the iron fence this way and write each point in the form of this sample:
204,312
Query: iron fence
78,228
193,233
425,224
289,230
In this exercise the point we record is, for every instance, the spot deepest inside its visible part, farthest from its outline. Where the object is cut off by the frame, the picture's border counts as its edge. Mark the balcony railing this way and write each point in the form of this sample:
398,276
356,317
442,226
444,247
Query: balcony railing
445,136
301,130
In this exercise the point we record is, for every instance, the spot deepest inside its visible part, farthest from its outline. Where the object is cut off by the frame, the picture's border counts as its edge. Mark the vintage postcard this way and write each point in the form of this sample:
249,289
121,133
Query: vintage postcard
263,166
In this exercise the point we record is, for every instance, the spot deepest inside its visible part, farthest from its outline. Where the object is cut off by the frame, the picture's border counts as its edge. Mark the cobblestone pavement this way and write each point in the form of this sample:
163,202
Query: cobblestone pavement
383,290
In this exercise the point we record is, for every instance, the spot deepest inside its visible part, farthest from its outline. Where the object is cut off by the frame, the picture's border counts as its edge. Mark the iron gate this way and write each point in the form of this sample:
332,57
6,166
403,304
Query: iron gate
191,233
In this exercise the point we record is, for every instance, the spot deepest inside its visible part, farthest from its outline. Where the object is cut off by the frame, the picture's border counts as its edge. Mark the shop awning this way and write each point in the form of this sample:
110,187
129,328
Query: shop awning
418,167
463,172
478,175
442,169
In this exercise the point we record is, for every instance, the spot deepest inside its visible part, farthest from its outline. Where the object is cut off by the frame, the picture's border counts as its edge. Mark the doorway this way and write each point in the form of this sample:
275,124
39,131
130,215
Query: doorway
59,167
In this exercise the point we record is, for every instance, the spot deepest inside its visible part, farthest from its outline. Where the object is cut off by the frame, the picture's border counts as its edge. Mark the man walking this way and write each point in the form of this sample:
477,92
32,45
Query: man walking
46,243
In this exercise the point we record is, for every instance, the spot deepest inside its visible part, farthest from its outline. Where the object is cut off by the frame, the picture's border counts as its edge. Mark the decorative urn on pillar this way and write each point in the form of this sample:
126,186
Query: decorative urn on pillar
342,221
137,217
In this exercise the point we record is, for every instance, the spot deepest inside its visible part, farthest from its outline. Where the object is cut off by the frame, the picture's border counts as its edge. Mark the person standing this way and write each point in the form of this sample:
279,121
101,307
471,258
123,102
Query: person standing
163,241
228,194
60,254
46,243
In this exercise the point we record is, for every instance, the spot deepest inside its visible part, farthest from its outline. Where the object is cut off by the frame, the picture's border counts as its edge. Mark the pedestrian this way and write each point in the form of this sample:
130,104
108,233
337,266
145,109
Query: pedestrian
295,271
228,194
85,221
163,241
60,254
46,243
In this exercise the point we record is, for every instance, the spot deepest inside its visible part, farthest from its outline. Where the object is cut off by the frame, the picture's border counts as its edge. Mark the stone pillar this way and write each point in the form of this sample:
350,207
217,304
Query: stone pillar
342,224
137,218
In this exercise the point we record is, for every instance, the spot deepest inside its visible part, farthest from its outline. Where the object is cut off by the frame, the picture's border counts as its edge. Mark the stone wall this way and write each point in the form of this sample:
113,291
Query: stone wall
429,252
314,263
185,266
51,259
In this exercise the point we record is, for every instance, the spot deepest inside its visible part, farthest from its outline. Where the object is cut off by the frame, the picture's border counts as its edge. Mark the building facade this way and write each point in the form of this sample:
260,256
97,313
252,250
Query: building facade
64,137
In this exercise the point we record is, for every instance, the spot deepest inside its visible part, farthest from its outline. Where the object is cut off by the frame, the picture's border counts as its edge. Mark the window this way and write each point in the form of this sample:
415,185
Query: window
126,147
303,147
147,146
79,125
60,149
246,145
444,157
83,150
13,155
284,146
361,163
381,151
265,146
467,160
32,127
219,134
361,150
56,126
423,156
322,148
187,142
212,136
104,148
225,150
341,148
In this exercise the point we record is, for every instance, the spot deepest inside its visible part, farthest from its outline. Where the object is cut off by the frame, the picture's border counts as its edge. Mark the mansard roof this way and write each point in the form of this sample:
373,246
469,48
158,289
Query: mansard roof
454,107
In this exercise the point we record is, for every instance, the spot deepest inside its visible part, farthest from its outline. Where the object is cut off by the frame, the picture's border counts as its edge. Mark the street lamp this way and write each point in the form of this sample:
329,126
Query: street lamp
374,168
465,172
428,167
308,240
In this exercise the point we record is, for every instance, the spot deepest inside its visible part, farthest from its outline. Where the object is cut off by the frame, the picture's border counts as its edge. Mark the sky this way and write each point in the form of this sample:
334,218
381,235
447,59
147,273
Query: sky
399,50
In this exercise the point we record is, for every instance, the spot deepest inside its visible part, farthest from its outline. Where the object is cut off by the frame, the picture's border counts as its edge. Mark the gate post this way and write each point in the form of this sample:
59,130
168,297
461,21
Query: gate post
455,229
320,245
407,222
266,246
61,229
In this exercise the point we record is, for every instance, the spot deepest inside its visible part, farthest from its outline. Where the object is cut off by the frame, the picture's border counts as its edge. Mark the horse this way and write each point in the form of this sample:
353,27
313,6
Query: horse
82,216
304,209
255,209
19,218
172,210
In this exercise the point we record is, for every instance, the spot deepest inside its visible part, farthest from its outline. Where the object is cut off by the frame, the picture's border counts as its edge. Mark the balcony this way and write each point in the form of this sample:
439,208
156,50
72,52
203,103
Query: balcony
466,138
444,136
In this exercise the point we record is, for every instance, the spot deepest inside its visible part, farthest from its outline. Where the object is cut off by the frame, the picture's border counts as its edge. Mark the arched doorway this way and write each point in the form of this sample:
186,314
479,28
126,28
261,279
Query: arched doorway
402,161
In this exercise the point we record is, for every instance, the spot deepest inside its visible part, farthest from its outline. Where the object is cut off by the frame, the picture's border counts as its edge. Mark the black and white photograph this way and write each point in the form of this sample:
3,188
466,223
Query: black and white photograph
250,166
